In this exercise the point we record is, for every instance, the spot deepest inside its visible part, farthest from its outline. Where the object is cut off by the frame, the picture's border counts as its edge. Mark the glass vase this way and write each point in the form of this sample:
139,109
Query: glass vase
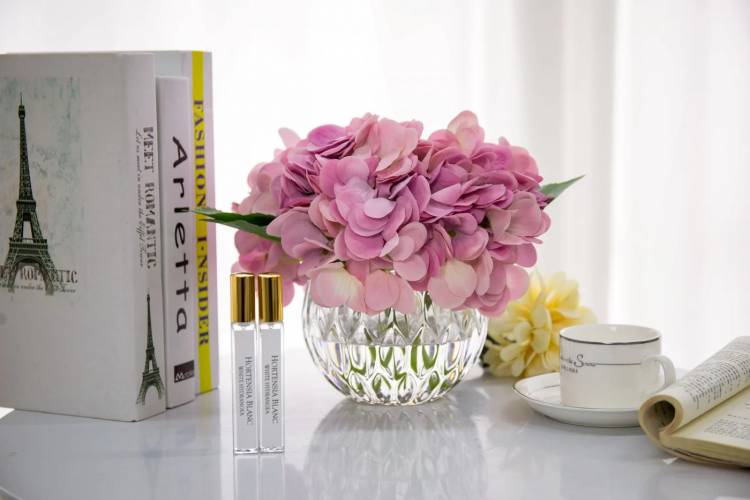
393,358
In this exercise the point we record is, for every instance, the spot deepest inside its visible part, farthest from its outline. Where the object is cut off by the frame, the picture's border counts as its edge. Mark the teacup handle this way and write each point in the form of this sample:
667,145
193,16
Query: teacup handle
670,376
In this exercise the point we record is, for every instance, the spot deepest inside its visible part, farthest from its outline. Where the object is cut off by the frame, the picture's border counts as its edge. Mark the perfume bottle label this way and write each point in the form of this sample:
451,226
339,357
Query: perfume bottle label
245,417
272,425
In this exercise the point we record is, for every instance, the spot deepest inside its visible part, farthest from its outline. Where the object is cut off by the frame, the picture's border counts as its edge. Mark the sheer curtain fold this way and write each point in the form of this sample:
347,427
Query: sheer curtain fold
680,209
649,99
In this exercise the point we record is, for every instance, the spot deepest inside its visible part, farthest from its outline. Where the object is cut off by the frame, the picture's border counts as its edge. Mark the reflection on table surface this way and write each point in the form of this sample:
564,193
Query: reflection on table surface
479,442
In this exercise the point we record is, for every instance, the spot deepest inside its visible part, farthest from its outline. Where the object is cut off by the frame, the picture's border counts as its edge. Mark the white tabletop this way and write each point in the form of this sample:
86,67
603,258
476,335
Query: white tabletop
478,442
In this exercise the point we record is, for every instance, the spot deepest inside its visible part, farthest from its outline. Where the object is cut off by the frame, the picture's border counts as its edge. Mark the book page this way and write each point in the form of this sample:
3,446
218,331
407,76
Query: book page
712,382
722,433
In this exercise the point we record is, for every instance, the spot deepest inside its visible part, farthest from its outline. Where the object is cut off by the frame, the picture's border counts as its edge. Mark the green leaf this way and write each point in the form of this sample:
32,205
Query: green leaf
247,227
556,189
259,219
251,223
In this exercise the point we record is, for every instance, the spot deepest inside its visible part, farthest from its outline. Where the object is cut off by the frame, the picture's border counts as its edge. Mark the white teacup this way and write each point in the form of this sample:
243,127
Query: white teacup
611,366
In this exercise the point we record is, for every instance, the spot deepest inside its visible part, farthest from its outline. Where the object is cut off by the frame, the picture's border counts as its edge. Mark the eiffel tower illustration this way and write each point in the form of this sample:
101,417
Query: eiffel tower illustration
151,376
23,249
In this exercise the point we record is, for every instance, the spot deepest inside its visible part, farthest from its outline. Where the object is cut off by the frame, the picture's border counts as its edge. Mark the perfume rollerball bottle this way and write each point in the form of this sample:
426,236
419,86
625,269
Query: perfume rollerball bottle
271,332
244,361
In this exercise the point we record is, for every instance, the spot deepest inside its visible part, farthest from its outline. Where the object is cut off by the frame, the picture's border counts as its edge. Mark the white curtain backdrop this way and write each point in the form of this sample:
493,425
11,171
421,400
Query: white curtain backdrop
649,99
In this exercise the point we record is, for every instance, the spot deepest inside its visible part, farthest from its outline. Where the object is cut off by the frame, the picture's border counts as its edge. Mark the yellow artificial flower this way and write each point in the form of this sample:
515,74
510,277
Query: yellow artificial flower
525,340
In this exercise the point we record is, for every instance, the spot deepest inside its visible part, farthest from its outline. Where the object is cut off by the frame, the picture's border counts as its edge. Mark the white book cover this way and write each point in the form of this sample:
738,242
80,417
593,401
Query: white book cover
80,261
174,106
197,67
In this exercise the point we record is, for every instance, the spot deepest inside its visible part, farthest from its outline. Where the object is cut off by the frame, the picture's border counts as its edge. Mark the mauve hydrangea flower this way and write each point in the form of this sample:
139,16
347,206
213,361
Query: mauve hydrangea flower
371,213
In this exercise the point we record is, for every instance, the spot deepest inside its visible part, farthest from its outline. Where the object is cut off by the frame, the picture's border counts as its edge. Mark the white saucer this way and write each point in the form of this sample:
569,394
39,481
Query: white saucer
543,395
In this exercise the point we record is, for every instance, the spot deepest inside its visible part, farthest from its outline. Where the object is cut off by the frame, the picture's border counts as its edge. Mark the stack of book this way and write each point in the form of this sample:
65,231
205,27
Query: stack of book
107,279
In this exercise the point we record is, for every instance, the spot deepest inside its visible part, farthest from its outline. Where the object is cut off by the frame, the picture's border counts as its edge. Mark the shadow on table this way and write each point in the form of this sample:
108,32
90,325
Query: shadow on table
373,452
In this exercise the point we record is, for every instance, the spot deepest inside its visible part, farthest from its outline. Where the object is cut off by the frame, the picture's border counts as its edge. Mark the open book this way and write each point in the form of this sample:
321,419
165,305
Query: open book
705,416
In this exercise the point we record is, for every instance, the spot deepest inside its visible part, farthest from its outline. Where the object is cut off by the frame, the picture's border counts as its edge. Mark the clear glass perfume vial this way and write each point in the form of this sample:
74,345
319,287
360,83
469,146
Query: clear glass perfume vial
271,334
244,364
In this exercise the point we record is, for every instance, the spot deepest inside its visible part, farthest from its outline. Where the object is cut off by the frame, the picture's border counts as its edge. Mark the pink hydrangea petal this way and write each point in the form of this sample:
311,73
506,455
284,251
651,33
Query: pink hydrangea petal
528,218
378,208
381,290
297,234
526,255
469,139
438,209
398,169
389,245
319,244
443,239
362,247
517,281
351,167
394,140
467,131
498,279
413,269
397,217
364,225
288,136
499,221
253,262
395,189
465,119
464,223
246,242
454,283
328,178
313,260
490,194
470,246
483,268
350,196
420,188
332,286
407,299
460,277
325,134
496,306
359,268
510,239
411,239
339,247
417,232
447,195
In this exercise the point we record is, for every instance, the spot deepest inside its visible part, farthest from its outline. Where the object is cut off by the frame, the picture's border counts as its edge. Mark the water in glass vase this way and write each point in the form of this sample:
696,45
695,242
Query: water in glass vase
394,375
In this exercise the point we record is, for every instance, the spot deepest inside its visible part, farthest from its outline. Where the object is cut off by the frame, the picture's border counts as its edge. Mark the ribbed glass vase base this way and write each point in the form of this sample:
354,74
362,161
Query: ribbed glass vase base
391,358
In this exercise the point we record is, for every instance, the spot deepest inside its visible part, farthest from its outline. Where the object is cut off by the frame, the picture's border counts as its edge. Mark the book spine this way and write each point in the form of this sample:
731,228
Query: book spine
176,166
149,390
207,314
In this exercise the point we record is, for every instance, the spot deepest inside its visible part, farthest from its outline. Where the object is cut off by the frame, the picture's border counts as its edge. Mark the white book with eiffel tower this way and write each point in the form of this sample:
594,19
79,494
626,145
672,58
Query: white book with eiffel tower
81,317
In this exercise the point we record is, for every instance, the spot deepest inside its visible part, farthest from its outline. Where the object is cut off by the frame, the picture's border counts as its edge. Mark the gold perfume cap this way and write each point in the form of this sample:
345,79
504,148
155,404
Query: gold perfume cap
270,303
242,286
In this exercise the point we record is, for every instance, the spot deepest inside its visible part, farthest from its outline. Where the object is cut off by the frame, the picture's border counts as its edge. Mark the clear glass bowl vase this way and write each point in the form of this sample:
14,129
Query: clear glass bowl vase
392,358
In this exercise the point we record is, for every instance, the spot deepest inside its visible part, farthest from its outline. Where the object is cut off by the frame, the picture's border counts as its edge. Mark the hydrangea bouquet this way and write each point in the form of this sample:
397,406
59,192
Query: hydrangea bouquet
373,212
